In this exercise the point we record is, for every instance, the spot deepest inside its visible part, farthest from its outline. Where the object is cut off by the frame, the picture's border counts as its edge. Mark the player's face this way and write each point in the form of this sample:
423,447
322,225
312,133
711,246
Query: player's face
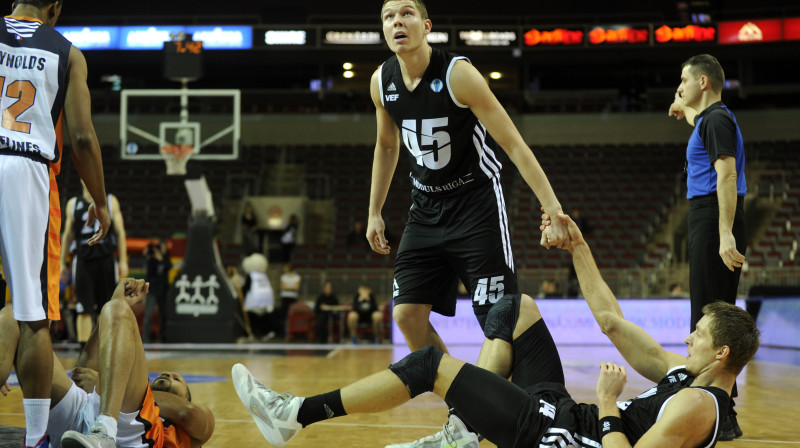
690,87
171,382
403,27
701,349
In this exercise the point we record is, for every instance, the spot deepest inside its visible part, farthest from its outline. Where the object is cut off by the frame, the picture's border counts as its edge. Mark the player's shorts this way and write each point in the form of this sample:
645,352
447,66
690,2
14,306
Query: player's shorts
95,280
552,419
29,236
78,410
463,237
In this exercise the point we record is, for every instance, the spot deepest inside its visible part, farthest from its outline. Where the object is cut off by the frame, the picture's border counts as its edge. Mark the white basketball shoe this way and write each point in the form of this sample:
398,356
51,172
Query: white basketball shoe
275,414
453,434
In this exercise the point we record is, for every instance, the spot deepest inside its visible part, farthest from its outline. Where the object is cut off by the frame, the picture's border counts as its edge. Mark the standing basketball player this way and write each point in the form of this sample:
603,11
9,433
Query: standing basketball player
47,75
452,125
95,268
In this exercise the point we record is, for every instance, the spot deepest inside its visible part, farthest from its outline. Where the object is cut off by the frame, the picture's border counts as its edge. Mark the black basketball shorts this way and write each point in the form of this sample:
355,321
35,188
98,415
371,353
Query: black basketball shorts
463,237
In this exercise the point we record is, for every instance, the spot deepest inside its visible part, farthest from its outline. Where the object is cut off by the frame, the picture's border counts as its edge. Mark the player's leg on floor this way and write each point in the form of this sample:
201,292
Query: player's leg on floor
123,374
413,321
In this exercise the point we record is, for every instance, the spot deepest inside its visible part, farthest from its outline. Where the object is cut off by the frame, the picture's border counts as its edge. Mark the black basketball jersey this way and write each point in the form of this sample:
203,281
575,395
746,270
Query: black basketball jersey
33,70
103,248
561,422
449,149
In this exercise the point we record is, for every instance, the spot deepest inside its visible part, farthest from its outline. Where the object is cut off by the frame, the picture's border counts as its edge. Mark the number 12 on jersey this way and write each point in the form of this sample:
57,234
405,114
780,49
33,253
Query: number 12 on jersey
490,289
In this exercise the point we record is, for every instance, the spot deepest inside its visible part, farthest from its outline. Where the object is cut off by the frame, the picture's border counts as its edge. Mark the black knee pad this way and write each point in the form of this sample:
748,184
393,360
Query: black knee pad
502,318
418,370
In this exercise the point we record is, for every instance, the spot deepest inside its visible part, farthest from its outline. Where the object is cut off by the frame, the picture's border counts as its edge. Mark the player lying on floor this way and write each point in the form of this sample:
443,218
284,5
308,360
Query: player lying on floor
125,411
681,410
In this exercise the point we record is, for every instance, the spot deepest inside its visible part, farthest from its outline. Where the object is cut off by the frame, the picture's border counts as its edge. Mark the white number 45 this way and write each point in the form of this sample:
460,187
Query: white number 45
490,289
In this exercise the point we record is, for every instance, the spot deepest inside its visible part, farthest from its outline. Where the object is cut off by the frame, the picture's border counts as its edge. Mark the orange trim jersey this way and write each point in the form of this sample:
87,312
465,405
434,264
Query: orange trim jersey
160,433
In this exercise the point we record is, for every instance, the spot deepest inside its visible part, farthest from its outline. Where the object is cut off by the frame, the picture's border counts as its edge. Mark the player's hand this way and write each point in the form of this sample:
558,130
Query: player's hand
727,250
611,381
5,389
375,235
132,291
85,378
104,219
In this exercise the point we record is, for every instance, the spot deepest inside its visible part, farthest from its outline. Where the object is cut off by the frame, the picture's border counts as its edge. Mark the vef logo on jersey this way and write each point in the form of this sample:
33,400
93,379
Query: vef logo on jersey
197,303
437,85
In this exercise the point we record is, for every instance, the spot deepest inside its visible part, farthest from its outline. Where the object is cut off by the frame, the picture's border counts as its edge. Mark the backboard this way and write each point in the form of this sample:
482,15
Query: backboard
209,120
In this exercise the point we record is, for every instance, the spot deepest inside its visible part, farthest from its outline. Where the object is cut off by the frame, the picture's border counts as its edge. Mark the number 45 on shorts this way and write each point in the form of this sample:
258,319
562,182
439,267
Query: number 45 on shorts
490,288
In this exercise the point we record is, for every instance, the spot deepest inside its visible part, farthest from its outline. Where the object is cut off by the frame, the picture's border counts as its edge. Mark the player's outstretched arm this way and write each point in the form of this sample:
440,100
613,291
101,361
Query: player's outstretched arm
387,151
470,89
85,147
196,419
641,351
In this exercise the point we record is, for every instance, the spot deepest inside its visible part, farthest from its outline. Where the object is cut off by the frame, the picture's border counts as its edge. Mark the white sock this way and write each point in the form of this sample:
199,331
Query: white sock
109,423
37,413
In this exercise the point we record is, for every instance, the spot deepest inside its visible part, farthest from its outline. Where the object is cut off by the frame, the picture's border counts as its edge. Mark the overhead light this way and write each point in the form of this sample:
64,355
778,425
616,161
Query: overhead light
347,66
495,75
348,74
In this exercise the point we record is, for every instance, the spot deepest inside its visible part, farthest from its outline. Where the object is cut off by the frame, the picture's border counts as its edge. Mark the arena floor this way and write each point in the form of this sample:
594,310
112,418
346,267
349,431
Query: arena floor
768,405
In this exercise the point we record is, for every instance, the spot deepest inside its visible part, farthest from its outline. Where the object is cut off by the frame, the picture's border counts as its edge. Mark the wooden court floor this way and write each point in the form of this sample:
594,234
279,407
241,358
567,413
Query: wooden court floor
769,402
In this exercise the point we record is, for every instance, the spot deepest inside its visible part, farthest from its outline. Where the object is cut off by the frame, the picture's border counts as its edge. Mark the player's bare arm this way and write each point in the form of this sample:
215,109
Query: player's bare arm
387,151
725,166
119,229
638,348
688,421
470,89
196,419
85,147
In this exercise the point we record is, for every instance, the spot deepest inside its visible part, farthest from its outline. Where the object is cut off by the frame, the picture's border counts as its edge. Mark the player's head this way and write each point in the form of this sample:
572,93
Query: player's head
50,9
174,383
726,333
405,24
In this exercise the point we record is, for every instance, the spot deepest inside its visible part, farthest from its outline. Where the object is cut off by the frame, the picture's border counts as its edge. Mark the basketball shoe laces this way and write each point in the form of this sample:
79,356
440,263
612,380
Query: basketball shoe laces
276,401
447,432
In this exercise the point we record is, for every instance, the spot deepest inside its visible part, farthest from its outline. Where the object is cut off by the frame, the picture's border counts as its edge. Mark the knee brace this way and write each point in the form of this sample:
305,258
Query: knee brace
502,318
418,370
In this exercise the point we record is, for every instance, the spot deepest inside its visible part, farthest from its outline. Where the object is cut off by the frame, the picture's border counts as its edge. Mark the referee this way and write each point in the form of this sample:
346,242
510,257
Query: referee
716,188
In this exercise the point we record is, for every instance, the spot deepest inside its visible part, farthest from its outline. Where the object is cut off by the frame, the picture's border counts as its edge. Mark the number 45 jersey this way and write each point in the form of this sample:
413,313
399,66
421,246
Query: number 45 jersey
449,149
33,71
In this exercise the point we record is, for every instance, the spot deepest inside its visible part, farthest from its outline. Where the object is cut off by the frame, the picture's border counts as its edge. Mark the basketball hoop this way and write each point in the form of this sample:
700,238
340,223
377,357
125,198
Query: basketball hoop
176,157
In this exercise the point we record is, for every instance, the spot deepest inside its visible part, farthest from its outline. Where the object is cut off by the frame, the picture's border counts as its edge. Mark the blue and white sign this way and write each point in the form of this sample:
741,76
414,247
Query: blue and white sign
91,37
223,37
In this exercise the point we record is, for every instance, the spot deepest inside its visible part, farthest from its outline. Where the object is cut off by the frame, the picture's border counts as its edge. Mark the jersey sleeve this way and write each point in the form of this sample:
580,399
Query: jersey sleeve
718,132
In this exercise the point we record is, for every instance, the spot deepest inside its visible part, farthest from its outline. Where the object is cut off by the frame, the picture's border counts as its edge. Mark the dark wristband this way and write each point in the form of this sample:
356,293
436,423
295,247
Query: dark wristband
611,424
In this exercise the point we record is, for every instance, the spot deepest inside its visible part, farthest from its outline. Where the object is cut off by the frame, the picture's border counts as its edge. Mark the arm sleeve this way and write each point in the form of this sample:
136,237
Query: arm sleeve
718,132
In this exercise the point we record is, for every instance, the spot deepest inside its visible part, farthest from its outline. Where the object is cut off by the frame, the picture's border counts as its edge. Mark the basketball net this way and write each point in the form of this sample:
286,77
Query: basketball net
176,157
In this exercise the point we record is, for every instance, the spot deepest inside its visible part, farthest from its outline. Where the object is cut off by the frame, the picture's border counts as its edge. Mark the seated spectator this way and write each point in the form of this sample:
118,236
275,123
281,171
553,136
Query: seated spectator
365,311
326,310
259,299
676,291
549,290
357,238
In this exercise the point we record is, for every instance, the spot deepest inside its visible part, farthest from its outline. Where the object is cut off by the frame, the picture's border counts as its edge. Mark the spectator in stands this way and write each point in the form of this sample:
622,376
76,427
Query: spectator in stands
290,291
159,264
581,221
365,311
250,236
549,290
289,238
356,238
96,268
676,291
716,187
326,311
259,298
